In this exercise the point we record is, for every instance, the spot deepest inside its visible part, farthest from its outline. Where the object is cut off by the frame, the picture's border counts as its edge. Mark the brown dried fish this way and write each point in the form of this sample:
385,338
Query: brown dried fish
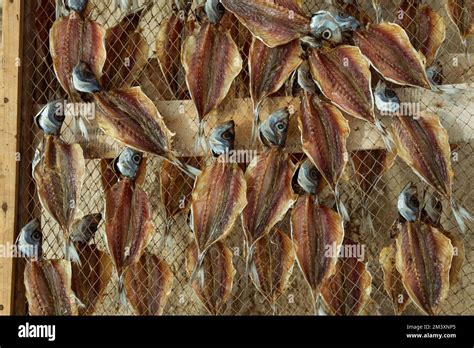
354,9
324,133
317,233
216,278
128,227
272,263
269,68
392,281
148,283
74,39
59,175
423,259
390,52
270,21
48,288
461,12
347,291
127,51
423,144
212,61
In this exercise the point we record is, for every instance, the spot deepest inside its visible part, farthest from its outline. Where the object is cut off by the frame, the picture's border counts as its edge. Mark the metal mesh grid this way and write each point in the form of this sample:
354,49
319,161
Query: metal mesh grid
41,86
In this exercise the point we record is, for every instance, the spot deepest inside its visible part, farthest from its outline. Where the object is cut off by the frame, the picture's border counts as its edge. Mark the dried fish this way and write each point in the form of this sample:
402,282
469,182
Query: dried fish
269,68
218,197
308,179
74,39
271,264
461,12
83,230
354,9
30,240
305,80
269,178
324,26
212,61
423,144
75,5
215,282
390,52
386,100
347,291
324,133
346,22
48,288
148,283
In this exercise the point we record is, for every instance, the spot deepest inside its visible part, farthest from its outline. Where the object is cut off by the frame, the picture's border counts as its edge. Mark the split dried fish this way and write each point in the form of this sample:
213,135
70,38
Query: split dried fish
269,178
270,21
324,133
461,12
48,288
148,283
218,197
392,281
215,282
72,40
30,240
212,61
347,291
423,144
271,264
390,52
269,68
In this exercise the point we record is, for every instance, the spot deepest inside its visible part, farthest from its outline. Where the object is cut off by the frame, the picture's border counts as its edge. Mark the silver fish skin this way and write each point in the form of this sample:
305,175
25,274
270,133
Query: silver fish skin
128,163
386,100
214,11
346,22
274,130
75,5
222,138
84,229
435,75
308,177
408,204
51,117
30,240
84,80
324,26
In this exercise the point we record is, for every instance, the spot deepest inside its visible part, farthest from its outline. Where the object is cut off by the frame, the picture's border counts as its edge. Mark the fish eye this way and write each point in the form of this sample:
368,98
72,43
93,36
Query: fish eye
389,93
220,8
313,173
136,158
227,135
36,236
327,34
343,15
414,201
281,126
59,117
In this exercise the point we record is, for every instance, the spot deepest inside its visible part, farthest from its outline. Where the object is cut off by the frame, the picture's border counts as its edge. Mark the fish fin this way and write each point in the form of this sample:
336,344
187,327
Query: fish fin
79,303
72,254
121,297
341,208
386,137
461,215
187,169
256,123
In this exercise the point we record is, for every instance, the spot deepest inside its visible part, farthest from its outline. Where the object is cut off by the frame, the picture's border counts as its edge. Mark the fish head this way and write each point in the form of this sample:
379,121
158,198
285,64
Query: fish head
435,75
84,229
324,26
214,11
308,177
84,80
274,130
346,22
51,117
386,100
222,138
433,209
128,163
408,204
75,5
30,240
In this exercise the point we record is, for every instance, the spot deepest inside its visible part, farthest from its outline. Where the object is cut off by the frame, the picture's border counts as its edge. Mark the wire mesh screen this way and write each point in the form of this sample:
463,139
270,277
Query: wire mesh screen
41,86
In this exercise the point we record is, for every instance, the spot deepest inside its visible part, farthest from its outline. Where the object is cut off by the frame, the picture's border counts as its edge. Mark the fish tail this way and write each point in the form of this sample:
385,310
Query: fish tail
316,302
71,253
185,168
248,260
341,208
386,137
461,215
198,271
256,123
378,12
121,297
201,144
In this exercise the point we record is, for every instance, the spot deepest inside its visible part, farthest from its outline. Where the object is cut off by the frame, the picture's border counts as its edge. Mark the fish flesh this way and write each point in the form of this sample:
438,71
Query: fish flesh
425,28
30,241
271,264
392,280
423,259
390,52
270,21
461,13
148,283
317,232
347,291
127,51
423,144
269,68
212,61
214,286
128,227
324,133
74,39
48,288
218,199
269,178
